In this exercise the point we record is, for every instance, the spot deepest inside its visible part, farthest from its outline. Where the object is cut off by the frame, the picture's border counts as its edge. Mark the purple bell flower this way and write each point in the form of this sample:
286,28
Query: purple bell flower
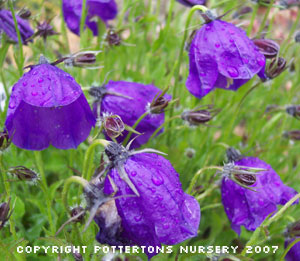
161,213
248,208
48,107
294,253
7,25
221,56
104,9
129,100
191,3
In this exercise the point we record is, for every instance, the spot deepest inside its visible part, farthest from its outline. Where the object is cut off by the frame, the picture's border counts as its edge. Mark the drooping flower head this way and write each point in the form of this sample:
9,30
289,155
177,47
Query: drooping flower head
7,25
129,100
248,208
191,3
46,107
221,56
104,9
158,211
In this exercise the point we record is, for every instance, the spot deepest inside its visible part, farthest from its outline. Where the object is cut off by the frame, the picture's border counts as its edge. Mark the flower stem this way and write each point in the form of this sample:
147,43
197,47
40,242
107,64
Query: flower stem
262,25
89,156
282,258
292,31
177,64
44,186
254,13
68,182
199,172
19,61
134,127
82,22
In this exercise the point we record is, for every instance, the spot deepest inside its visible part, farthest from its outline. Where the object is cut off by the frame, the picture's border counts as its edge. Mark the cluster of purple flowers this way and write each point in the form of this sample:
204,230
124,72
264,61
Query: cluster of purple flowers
48,107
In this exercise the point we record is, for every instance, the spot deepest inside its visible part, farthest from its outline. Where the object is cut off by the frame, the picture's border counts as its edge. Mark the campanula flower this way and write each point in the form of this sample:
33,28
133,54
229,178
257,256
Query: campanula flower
104,9
158,211
191,3
7,25
129,100
294,252
248,208
46,107
221,56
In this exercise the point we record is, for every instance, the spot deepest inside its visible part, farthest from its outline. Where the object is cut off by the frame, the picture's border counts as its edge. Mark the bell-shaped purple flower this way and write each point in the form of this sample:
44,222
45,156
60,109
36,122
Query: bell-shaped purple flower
46,107
7,25
104,9
129,100
248,208
161,213
191,3
221,56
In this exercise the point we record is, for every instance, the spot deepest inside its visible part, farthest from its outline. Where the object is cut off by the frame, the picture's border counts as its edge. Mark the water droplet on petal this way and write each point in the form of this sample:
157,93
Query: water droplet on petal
202,74
260,60
233,72
231,40
35,72
246,61
157,179
261,202
24,84
207,28
133,173
166,226
138,218
217,45
40,80
34,93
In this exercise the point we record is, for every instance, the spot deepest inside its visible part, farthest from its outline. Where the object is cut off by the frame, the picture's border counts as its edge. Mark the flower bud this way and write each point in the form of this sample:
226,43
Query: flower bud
44,30
294,229
75,212
189,153
158,105
113,125
4,213
267,47
297,37
23,173
293,110
97,92
196,117
4,140
288,3
113,38
24,13
233,154
292,135
245,179
276,67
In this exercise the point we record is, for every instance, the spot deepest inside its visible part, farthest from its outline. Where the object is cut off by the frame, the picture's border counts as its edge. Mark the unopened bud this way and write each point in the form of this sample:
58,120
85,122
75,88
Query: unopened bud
197,117
245,179
113,125
158,105
267,47
293,110
242,11
44,30
276,67
233,154
23,173
24,13
4,213
289,3
113,38
292,135
4,140
297,37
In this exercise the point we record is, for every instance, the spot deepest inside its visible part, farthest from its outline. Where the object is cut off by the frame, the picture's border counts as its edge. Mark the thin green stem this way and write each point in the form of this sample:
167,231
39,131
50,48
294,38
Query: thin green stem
262,24
282,258
199,172
19,61
134,126
291,33
82,22
89,156
44,186
68,182
254,13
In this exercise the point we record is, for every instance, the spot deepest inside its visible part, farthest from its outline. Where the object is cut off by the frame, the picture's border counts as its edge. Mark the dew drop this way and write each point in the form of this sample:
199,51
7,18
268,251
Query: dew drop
157,179
260,60
231,40
40,80
12,105
202,74
246,61
133,173
260,202
166,226
217,45
207,28
24,84
35,72
233,72
277,184
34,93
32,85
159,197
